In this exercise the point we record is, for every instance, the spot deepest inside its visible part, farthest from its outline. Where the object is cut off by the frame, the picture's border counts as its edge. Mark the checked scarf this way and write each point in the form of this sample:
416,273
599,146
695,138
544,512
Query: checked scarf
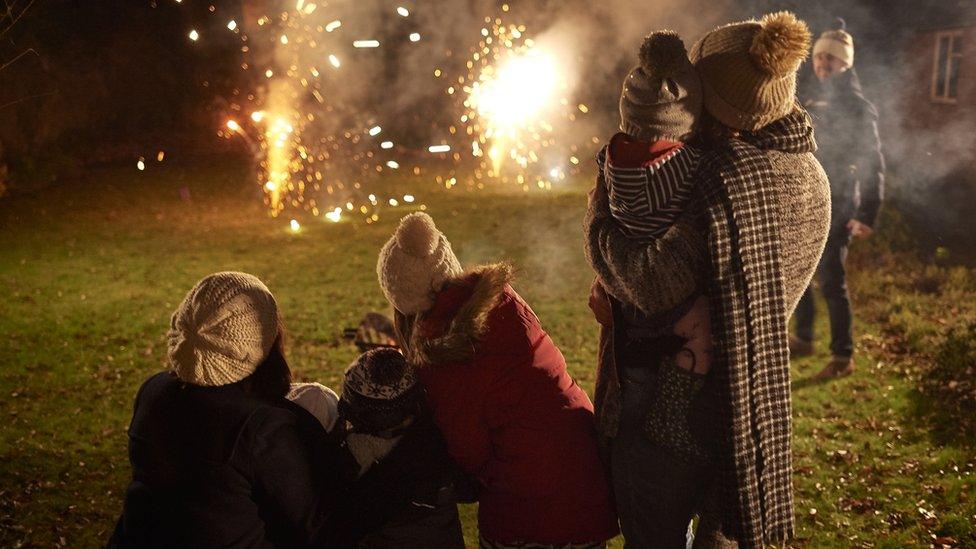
749,329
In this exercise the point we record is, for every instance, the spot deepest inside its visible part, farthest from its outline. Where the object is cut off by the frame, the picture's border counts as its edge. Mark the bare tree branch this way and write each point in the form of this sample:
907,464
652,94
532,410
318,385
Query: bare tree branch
14,60
17,18
28,98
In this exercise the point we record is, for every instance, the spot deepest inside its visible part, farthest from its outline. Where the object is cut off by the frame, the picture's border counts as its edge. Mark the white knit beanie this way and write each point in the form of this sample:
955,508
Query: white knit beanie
414,264
223,329
838,43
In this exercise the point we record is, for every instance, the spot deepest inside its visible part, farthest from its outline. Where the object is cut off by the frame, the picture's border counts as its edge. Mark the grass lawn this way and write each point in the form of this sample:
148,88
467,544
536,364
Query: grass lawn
89,274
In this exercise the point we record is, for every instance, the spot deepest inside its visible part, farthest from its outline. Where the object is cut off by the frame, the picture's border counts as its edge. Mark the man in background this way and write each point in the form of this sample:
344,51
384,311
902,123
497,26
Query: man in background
850,152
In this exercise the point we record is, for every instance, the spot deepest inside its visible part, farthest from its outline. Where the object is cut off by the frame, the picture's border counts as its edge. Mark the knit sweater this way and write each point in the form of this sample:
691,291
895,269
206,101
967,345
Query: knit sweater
661,277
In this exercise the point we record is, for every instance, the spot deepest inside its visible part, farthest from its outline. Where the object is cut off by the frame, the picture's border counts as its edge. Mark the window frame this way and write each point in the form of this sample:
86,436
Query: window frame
953,55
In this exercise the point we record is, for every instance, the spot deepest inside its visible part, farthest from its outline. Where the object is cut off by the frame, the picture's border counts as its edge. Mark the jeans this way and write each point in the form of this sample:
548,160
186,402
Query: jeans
833,284
656,492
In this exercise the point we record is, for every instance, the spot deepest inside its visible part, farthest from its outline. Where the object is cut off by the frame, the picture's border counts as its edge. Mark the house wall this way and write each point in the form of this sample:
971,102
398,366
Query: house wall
946,129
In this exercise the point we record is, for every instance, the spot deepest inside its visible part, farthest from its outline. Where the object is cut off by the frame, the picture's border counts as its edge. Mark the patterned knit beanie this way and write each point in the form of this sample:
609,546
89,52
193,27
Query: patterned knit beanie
415,263
838,43
379,391
748,69
223,329
661,97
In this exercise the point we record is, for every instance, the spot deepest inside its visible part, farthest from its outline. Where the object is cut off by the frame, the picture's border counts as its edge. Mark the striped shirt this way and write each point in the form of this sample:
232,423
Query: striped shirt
646,200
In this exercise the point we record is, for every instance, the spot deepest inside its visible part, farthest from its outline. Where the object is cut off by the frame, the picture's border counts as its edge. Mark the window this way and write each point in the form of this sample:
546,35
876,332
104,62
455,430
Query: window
945,73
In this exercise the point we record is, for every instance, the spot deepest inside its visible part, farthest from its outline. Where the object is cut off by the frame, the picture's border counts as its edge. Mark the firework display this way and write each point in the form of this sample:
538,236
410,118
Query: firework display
324,134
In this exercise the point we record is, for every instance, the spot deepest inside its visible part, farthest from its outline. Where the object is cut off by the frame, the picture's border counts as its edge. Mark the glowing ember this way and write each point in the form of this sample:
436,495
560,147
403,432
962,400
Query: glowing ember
335,215
194,35
366,44
294,225
439,148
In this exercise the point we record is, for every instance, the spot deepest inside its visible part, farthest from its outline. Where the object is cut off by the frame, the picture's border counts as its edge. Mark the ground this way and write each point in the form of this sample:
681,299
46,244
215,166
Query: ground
90,272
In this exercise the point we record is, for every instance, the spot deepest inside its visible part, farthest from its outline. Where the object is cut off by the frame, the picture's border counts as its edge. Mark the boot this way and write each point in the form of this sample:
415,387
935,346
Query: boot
800,347
839,366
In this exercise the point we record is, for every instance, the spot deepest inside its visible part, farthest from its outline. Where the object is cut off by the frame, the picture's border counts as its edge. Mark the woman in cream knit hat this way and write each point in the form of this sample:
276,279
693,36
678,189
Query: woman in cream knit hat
220,457
498,389
757,239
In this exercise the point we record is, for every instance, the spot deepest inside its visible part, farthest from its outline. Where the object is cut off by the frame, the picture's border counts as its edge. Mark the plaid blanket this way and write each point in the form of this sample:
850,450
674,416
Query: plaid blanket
749,326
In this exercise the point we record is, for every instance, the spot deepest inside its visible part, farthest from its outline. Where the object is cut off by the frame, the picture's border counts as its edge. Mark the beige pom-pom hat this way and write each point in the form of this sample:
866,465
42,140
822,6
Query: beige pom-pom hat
748,69
415,263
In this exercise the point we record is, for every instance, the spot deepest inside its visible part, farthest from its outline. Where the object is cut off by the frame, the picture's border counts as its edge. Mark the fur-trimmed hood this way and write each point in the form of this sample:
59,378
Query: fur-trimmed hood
458,321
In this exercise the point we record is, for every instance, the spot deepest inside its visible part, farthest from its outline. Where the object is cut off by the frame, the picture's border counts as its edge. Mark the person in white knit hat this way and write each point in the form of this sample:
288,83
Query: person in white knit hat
220,457
850,151
415,263
499,392
223,329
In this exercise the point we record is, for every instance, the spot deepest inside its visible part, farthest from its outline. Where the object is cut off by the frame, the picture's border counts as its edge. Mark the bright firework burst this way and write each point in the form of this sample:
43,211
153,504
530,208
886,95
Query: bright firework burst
319,150
515,99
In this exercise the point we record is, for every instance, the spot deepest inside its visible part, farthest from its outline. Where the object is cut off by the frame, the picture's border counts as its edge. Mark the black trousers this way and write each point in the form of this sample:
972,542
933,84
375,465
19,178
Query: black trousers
833,284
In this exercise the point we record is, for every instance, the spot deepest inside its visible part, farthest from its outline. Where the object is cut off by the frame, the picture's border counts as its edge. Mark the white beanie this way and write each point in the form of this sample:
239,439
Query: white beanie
223,329
414,264
838,43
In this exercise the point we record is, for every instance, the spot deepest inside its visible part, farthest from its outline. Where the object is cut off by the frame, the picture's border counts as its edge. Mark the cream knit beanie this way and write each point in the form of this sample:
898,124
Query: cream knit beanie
748,69
838,43
414,264
661,97
223,329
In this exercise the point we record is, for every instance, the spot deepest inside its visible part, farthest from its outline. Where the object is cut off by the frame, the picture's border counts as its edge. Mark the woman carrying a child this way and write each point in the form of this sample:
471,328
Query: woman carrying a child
498,389
702,246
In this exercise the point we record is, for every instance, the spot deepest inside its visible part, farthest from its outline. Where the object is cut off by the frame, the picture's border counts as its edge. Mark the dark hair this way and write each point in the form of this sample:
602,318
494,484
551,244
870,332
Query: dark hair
272,378
712,132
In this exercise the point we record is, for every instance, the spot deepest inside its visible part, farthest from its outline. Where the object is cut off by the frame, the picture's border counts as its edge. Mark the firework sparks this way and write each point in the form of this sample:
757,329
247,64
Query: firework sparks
313,145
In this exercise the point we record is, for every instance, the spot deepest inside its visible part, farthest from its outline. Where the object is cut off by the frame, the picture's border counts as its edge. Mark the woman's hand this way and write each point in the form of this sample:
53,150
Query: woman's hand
859,229
600,304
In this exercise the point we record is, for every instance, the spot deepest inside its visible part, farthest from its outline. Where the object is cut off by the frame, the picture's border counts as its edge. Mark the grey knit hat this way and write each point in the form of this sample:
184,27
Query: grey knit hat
661,97
223,329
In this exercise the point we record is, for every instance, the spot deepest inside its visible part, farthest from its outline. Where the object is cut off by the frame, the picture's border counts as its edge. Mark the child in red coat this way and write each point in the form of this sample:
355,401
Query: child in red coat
499,391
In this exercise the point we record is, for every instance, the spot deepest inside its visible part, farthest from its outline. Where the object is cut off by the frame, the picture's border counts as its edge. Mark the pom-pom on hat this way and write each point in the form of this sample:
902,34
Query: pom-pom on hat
223,329
414,264
748,69
661,97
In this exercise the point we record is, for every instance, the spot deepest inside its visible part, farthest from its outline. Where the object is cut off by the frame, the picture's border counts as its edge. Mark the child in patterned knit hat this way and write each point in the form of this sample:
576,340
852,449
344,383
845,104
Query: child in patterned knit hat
648,171
383,410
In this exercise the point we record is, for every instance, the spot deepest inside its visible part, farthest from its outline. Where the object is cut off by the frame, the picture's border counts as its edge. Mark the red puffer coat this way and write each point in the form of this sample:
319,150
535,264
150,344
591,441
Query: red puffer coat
511,414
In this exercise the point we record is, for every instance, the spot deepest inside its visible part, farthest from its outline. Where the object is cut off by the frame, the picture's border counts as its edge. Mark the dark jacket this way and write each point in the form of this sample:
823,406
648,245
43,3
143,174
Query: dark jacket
511,414
849,148
222,467
427,473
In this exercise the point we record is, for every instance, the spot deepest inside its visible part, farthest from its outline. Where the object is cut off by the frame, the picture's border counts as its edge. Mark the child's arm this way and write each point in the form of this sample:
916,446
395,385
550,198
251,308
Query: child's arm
656,277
